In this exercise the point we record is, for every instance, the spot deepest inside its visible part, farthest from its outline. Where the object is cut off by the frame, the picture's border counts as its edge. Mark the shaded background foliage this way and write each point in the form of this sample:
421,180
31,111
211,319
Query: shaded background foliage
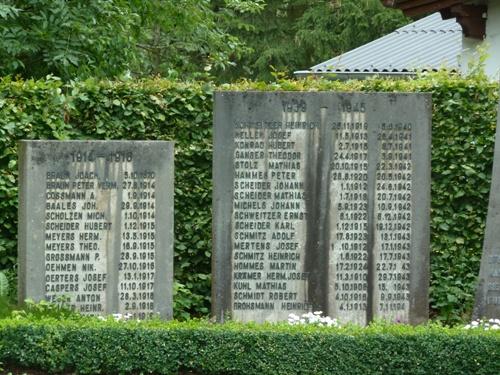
295,35
221,40
464,113
66,38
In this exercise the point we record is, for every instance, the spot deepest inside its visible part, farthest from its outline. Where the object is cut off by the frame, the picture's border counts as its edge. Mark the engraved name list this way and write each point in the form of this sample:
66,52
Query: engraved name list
323,214
99,214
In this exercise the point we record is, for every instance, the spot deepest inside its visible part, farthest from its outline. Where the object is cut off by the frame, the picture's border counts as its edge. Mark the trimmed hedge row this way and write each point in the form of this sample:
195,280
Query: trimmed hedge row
153,109
464,117
91,346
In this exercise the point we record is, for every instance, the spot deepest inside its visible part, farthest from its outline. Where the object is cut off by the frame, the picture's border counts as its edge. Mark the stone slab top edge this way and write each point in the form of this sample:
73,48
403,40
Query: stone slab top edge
92,141
388,93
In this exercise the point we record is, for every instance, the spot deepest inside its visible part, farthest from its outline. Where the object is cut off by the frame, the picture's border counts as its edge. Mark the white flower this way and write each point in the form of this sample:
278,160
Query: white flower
313,318
484,324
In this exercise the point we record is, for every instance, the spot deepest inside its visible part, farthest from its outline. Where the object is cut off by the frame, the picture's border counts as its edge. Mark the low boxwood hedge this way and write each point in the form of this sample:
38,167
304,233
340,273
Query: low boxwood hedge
88,345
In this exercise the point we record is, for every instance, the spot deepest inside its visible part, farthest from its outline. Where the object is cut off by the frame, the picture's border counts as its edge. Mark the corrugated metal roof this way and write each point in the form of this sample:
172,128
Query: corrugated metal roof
427,44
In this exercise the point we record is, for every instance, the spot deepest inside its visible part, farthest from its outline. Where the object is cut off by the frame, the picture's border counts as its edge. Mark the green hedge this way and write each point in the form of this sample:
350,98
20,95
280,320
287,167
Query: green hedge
91,346
464,116
155,109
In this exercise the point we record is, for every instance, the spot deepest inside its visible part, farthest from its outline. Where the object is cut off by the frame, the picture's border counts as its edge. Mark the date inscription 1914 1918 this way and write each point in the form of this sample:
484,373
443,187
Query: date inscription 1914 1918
321,202
96,225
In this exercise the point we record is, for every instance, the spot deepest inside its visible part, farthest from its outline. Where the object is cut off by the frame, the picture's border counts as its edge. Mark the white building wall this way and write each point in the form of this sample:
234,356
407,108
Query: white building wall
492,40
491,44
469,55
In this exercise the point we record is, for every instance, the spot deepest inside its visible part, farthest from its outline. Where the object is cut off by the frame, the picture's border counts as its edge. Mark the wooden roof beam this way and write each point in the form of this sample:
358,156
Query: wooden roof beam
415,3
417,7
471,17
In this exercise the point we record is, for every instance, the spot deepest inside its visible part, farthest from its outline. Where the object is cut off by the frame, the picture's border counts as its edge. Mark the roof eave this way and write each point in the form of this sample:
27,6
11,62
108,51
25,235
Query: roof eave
344,76
472,17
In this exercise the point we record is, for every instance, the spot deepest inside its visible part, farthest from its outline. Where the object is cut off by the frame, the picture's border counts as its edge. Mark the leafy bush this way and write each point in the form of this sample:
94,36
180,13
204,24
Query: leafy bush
90,346
464,112
155,109
4,285
31,310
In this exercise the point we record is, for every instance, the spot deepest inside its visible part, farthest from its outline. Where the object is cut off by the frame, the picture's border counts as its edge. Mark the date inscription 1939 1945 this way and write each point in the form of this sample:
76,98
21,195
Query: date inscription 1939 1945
323,212
100,217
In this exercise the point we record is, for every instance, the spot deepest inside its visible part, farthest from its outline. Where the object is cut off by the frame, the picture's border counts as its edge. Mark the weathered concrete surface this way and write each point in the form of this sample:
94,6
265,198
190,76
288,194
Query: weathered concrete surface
96,225
321,202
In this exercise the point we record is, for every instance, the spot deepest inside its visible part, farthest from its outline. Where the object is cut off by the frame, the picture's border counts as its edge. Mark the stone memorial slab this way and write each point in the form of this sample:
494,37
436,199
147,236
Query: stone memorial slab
321,202
96,225
487,303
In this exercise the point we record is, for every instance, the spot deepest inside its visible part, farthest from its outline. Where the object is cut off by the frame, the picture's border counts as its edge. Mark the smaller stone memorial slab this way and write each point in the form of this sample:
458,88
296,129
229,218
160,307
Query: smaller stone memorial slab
96,225
488,291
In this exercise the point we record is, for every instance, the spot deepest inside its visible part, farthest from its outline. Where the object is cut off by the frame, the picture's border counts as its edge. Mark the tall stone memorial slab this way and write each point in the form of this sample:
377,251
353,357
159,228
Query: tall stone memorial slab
321,202
96,225
488,290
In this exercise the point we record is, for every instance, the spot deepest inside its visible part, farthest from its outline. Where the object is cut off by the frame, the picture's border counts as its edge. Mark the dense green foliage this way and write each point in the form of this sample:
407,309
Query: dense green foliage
295,35
164,110
5,306
65,38
91,346
464,112
148,110
218,39
102,38
188,38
